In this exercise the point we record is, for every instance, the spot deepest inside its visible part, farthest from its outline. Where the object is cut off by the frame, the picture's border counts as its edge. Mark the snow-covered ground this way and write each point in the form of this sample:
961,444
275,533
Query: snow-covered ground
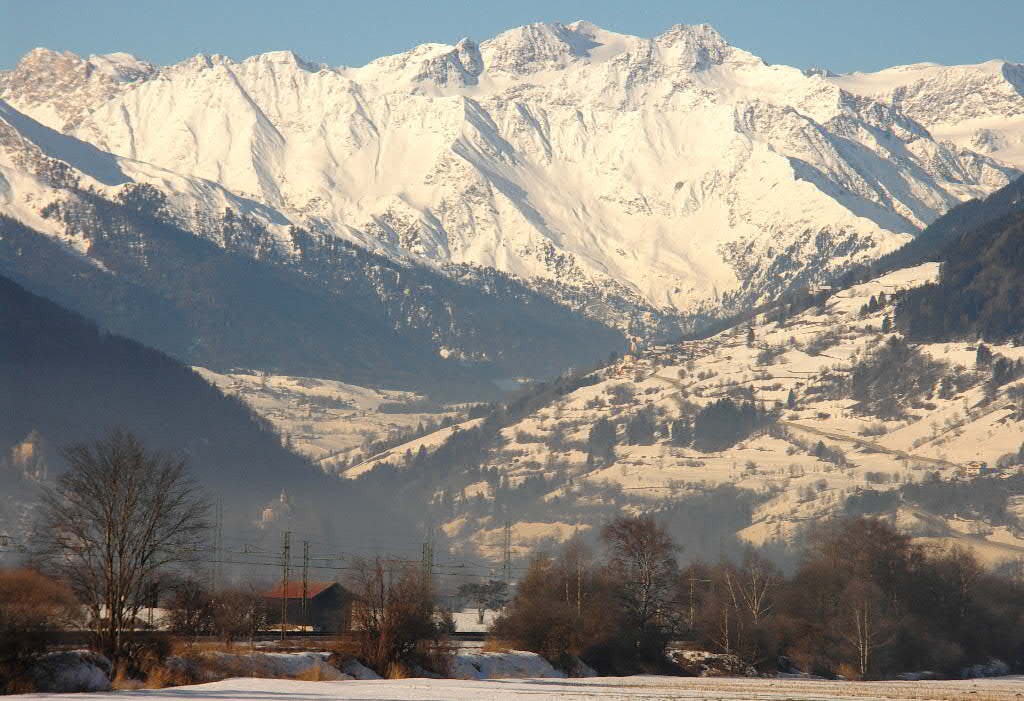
598,688
327,420
941,434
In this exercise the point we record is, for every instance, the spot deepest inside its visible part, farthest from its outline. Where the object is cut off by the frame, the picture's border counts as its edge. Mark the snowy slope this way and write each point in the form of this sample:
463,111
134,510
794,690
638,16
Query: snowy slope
329,421
61,88
677,172
941,432
37,165
473,319
979,107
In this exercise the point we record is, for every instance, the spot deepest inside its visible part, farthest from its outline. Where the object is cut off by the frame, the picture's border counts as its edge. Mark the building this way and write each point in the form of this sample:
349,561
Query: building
328,607
975,468
276,511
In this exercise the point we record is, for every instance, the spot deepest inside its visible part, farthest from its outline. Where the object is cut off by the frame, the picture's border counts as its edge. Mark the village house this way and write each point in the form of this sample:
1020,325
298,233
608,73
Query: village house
328,607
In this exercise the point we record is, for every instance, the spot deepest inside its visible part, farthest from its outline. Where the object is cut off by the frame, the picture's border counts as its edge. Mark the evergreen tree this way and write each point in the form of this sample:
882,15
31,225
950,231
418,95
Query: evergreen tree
723,423
640,428
682,432
601,441
983,358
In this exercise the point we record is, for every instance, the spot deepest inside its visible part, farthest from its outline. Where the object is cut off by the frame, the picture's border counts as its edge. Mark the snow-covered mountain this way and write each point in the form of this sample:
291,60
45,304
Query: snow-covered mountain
978,107
833,445
220,280
676,173
39,165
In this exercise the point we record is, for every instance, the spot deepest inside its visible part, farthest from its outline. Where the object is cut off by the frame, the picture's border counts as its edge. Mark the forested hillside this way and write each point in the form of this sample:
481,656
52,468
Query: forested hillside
312,305
67,380
980,291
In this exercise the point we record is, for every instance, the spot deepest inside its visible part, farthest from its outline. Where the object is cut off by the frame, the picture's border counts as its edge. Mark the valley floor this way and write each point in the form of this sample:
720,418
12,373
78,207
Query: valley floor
603,688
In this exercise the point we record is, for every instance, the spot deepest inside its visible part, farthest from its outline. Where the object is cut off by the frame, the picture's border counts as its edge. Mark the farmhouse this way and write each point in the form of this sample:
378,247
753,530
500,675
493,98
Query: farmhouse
328,606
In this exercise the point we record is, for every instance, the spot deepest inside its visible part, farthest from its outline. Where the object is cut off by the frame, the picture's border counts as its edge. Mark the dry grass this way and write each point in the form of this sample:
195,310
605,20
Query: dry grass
183,648
122,682
397,670
496,645
161,678
313,674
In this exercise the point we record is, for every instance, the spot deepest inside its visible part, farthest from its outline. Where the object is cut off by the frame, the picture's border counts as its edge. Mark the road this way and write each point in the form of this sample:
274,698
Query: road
869,445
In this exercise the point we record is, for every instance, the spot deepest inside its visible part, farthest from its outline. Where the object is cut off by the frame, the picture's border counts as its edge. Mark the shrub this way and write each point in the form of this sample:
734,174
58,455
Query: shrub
395,617
32,607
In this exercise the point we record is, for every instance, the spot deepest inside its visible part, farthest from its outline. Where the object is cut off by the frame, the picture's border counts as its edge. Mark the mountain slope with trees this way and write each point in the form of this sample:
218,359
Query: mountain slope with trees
980,290
65,380
330,309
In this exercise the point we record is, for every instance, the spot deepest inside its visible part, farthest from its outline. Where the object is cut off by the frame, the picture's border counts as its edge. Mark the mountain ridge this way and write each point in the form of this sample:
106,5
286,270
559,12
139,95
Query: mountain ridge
684,175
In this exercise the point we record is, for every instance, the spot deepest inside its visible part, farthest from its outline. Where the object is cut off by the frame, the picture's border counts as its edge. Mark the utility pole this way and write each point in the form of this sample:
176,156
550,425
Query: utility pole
427,552
305,583
693,606
218,543
427,558
506,568
286,548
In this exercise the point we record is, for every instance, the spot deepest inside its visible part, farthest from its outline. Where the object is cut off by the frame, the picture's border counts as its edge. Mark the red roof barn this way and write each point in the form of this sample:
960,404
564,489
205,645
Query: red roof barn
328,606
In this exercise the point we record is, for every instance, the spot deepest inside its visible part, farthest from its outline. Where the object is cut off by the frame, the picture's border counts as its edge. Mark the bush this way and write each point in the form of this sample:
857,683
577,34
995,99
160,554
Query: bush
563,608
32,608
395,620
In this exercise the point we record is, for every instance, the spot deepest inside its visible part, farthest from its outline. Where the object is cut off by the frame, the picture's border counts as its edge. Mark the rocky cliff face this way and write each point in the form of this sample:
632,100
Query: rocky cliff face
980,107
674,175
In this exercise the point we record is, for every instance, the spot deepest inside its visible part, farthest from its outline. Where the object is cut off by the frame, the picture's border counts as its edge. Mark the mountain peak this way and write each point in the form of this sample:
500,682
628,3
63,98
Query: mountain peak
535,47
284,57
118,66
698,46
469,56
673,169
42,54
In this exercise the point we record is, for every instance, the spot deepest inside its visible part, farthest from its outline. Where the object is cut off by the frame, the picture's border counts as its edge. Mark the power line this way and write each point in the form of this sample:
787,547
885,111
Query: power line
305,583
286,546
506,570
218,542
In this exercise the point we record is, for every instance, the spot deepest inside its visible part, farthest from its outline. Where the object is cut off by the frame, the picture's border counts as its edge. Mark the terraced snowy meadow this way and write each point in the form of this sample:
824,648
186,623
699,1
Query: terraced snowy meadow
599,688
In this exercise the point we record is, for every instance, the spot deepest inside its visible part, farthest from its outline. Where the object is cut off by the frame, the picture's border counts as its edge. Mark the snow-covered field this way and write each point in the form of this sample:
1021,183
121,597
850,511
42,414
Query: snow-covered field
327,420
603,688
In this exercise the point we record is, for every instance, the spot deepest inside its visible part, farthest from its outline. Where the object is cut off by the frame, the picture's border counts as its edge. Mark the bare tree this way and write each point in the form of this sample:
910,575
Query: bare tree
190,609
115,520
866,627
642,563
239,613
394,614
755,581
742,605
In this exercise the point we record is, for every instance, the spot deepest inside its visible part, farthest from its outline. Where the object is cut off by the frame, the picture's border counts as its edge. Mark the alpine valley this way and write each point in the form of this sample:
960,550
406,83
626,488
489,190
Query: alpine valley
537,279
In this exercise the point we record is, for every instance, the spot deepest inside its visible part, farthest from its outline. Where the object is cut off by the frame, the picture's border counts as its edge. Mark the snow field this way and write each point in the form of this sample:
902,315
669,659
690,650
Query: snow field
596,689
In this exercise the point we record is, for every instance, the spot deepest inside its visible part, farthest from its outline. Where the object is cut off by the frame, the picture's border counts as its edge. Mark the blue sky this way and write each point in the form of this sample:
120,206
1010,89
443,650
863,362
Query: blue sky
842,35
